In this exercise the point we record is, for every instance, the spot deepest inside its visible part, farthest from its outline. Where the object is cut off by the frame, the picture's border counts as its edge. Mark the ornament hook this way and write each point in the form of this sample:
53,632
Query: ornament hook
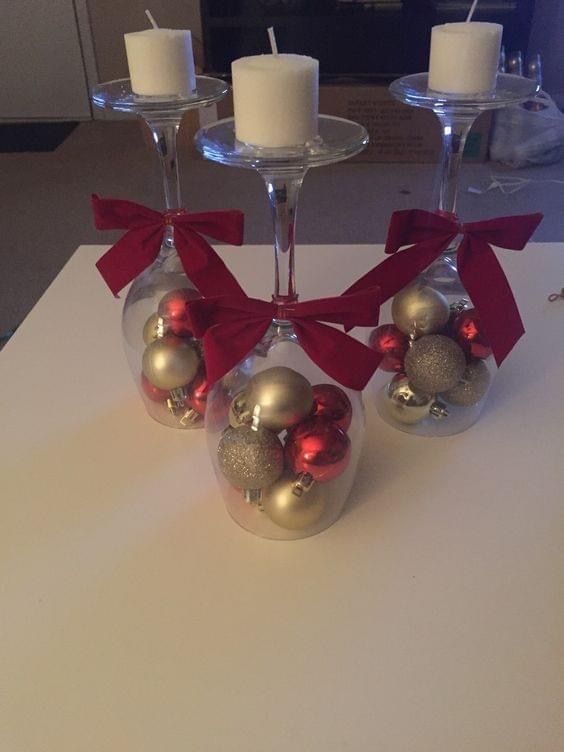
556,296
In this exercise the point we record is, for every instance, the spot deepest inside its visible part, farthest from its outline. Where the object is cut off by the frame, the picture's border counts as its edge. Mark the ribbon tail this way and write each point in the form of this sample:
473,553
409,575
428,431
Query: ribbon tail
398,270
340,356
227,344
494,302
203,265
132,253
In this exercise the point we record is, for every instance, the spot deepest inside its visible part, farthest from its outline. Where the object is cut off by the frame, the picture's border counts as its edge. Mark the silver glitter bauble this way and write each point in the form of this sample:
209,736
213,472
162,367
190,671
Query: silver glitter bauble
153,329
290,506
170,362
434,364
472,387
276,398
408,406
250,458
418,310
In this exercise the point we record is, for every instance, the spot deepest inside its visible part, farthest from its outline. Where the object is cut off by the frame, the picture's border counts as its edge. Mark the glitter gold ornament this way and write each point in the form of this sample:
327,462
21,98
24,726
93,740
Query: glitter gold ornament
434,364
418,310
408,406
170,362
250,458
276,398
292,505
472,387
153,329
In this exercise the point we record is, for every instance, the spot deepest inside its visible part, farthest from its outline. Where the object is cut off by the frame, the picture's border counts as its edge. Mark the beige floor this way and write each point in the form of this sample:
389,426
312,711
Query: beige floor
45,212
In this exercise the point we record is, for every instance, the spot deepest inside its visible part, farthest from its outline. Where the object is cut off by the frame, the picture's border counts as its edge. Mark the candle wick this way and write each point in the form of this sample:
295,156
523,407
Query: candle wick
471,11
149,15
272,37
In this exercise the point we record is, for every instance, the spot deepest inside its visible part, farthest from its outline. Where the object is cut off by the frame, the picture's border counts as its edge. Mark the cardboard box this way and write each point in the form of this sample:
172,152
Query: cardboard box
398,132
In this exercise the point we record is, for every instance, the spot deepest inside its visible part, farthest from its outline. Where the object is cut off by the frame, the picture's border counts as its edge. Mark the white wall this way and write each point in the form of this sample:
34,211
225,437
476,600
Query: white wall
42,73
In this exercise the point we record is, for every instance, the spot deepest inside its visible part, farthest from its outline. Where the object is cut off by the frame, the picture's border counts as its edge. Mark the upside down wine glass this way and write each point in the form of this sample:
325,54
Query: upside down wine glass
284,438
455,394
164,358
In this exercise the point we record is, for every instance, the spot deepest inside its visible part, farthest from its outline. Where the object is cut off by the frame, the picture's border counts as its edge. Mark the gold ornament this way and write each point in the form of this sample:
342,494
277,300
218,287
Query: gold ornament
434,364
276,399
472,387
294,503
250,458
154,328
170,362
408,406
418,310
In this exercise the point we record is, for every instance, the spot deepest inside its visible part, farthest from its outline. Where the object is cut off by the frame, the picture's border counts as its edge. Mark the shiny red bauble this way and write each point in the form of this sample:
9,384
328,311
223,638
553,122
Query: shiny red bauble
392,343
153,392
198,393
319,447
468,332
331,402
172,308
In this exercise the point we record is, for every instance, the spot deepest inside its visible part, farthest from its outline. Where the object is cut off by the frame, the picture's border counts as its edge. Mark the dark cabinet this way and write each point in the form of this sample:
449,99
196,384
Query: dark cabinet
356,38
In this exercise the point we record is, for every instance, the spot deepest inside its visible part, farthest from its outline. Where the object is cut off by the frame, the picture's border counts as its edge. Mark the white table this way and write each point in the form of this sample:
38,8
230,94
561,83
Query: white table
137,617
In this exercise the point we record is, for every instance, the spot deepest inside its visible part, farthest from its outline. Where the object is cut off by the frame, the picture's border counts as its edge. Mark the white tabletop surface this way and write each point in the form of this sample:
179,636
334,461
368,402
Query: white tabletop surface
137,617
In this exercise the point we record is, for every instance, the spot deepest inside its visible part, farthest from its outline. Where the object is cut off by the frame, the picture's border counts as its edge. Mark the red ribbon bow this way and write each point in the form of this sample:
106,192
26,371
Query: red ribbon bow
232,325
480,271
140,246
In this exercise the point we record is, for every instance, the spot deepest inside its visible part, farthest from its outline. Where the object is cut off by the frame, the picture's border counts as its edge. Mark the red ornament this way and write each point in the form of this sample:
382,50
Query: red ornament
198,393
392,343
331,402
467,330
153,392
172,308
319,447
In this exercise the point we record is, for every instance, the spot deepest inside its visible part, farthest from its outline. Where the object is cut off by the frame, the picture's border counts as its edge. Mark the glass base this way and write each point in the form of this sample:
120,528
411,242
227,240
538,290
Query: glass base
414,90
338,139
117,95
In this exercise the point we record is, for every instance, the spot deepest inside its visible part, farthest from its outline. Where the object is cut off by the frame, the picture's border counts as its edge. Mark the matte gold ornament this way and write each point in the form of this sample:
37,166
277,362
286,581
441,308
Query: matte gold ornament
293,503
276,399
250,458
418,310
408,406
434,363
472,387
154,328
170,362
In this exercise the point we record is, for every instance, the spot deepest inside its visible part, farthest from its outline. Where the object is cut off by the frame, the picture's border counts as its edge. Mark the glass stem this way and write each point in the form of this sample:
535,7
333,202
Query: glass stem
283,192
164,136
455,129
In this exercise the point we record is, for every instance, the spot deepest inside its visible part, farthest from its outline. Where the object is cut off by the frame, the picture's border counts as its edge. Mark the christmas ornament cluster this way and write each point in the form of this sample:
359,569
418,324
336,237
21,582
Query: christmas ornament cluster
173,371
285,444
438,352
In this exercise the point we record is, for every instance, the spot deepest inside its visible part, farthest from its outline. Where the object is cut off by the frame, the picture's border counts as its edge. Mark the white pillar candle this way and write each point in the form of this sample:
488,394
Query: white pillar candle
161,62
464,57
275,99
